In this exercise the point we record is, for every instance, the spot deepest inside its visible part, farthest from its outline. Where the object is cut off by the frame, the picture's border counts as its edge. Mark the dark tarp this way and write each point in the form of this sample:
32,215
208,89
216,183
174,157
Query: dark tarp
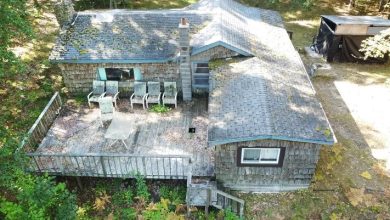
342,48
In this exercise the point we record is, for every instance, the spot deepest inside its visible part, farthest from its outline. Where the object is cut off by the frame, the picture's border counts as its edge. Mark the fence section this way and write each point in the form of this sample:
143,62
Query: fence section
39,129
112,165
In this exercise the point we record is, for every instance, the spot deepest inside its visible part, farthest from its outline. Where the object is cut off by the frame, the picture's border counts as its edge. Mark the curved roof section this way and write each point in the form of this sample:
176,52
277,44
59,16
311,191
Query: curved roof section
127,36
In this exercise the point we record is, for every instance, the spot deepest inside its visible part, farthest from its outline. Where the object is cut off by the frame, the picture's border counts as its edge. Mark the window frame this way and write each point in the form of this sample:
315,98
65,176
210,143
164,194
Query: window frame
122,71
103,75
278,163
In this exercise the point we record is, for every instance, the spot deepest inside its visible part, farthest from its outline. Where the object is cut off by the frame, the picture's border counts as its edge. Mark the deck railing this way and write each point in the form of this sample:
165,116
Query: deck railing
208,195
112,165
39,129
96,164
222,200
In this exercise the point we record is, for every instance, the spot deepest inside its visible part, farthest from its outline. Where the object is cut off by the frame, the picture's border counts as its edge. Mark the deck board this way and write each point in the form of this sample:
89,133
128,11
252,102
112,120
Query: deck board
79,132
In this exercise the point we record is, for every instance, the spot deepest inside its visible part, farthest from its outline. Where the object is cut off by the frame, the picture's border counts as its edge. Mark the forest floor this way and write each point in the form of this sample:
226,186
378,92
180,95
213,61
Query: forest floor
349,182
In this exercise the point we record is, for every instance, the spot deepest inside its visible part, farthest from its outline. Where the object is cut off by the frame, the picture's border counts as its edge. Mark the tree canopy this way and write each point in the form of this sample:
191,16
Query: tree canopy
15,26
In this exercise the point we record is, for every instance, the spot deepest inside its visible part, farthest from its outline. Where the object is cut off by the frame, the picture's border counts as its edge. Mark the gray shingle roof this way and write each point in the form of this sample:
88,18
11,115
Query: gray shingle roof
263,99
233,24
269,96
124,35
360,20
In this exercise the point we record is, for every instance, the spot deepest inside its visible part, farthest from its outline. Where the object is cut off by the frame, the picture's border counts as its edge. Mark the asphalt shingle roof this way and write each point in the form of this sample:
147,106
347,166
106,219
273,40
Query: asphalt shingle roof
122,35
268,96
126,35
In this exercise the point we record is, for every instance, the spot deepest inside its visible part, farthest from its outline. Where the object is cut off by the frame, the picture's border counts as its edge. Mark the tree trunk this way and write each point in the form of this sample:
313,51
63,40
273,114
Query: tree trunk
382,4
351,4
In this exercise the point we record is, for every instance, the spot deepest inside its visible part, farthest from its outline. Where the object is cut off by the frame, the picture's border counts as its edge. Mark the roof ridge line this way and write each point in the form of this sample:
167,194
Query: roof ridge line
127,11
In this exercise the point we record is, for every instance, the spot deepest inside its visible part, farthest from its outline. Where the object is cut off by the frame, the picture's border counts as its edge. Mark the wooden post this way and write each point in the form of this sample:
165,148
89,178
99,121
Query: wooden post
241,210
103,167
144,167
208,201
189,172
79,183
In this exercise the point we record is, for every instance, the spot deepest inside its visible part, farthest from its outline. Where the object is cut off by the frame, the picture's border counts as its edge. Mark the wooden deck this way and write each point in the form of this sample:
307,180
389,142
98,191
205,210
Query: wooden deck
159,146
70,141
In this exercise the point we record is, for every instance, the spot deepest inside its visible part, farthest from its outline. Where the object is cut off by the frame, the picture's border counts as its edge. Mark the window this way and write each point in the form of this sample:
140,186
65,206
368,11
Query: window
119,74
260,156
200,76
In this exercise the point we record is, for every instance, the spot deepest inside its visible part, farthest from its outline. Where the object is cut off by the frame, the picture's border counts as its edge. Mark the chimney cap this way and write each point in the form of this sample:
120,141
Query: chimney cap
184,23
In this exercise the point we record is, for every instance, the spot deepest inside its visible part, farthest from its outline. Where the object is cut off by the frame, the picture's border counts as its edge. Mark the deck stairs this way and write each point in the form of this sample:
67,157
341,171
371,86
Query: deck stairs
203,192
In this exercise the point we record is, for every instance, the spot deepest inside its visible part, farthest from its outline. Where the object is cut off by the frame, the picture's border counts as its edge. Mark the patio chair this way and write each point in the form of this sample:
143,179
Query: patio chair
154,93
170,93
112,91
97,92
139,95
107,111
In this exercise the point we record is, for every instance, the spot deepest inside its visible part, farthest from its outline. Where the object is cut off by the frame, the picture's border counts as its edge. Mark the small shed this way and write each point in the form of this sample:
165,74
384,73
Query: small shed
339,37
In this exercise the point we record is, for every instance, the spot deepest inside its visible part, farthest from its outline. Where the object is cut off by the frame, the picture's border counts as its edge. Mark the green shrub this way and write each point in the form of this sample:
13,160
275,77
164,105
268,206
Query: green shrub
306,4
142,188
122,198
175,194
126,213
159,108
39,198
229,215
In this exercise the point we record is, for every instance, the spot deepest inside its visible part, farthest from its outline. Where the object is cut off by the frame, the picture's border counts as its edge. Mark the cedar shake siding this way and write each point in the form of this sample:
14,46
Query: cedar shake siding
78,77
217,52
299,164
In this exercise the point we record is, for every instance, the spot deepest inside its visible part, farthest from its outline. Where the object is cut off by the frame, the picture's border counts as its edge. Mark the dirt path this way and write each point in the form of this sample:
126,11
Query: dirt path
357,100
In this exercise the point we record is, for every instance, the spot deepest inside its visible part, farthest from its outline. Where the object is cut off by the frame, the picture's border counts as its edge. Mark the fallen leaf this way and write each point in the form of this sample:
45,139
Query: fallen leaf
369,200
355,196
110,216
366,175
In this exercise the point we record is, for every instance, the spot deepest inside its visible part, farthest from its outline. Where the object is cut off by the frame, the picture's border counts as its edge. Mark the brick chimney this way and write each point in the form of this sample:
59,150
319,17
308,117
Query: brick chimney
64,12
185,68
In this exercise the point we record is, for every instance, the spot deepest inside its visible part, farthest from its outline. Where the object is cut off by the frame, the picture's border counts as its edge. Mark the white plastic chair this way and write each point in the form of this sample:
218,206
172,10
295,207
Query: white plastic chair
170,93
139,95
97,92
154,93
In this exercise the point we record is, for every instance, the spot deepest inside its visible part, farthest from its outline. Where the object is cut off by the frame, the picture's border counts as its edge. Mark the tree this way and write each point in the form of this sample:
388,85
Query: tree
377,46
14,26
379,4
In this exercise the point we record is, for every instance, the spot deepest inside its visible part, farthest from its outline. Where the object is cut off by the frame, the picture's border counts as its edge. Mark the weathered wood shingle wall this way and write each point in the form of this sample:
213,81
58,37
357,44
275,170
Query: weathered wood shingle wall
78,77
218,52
299,165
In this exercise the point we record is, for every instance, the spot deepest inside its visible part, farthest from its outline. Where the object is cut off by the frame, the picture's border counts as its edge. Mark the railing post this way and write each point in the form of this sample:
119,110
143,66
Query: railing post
103,167
208,202
144,167
59,98
189,172
241,210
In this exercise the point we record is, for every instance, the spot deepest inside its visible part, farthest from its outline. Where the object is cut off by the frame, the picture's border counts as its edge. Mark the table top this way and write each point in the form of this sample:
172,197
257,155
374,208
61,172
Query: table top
120,127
